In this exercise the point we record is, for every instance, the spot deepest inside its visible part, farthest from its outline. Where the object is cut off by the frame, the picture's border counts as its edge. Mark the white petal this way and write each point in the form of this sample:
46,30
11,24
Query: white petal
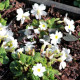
26,13
42,7
20,11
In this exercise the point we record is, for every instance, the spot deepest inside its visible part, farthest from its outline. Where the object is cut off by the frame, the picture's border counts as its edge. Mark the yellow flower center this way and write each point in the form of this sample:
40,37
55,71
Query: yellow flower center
9,44
38,70
43,25
38,12
56,37
0,28
69,26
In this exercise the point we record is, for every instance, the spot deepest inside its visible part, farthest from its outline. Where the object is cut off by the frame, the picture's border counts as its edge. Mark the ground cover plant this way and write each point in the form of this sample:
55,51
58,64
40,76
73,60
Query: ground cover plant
33,42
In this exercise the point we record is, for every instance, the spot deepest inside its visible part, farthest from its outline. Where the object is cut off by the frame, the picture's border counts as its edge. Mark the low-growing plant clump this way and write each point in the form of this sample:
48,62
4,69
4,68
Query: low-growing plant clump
33,59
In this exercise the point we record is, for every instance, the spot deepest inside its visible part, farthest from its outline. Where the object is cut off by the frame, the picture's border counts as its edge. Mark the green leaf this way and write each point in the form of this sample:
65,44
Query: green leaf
79,34
35,22
2,52
2,21
23,58
69,37
16,68
6,4
31,76
14,56
2,5
23,77
4,60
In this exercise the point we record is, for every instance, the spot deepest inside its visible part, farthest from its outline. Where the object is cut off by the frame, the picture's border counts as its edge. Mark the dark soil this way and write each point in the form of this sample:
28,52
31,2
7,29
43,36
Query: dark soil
72,70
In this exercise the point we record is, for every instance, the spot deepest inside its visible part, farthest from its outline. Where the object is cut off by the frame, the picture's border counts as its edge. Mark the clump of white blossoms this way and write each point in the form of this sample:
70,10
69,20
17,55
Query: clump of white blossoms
65,56
69,25
2,27
5,32
21,15
38,10
29,46
43,25
36,31
56,38
20,50
10,44
28,34
38,70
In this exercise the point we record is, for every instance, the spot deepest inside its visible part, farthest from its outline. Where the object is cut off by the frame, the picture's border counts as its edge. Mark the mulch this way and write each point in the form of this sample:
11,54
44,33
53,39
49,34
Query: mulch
72,70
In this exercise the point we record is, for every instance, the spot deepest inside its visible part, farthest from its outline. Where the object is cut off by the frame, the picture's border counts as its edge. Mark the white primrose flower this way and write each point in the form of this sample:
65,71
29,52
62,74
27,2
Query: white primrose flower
62,65
43,25
66,52
38,70
8,33
29,46
69,25
65,56
56,38
30,27
28,34
21,15
10,44
2,27
36,31
20,50
45,42
38,10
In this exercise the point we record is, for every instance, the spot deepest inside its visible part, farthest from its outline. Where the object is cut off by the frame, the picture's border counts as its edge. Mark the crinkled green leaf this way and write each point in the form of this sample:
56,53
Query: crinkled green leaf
6,4
16,68
35,22
69,37
2,5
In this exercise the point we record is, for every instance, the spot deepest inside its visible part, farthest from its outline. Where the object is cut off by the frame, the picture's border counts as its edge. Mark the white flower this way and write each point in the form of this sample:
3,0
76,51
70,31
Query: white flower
56,38
36,31
70,28
38,70
38,10
30,27
10,44
29,46
9,33
28,34
22,16
43,25
45,42
66,52
2,27
20,50
69,25
62,65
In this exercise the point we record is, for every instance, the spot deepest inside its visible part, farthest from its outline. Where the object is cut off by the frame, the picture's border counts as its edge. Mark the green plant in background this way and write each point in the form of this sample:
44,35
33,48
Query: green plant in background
3,56
77,3
22,65
2,21
4,5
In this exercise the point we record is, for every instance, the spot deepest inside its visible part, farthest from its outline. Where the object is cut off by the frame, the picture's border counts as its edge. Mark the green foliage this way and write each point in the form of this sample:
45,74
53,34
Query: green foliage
77,3
4,5
24,63
35,22
3,56
79,34
51,22
2,21
69,37
16,68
